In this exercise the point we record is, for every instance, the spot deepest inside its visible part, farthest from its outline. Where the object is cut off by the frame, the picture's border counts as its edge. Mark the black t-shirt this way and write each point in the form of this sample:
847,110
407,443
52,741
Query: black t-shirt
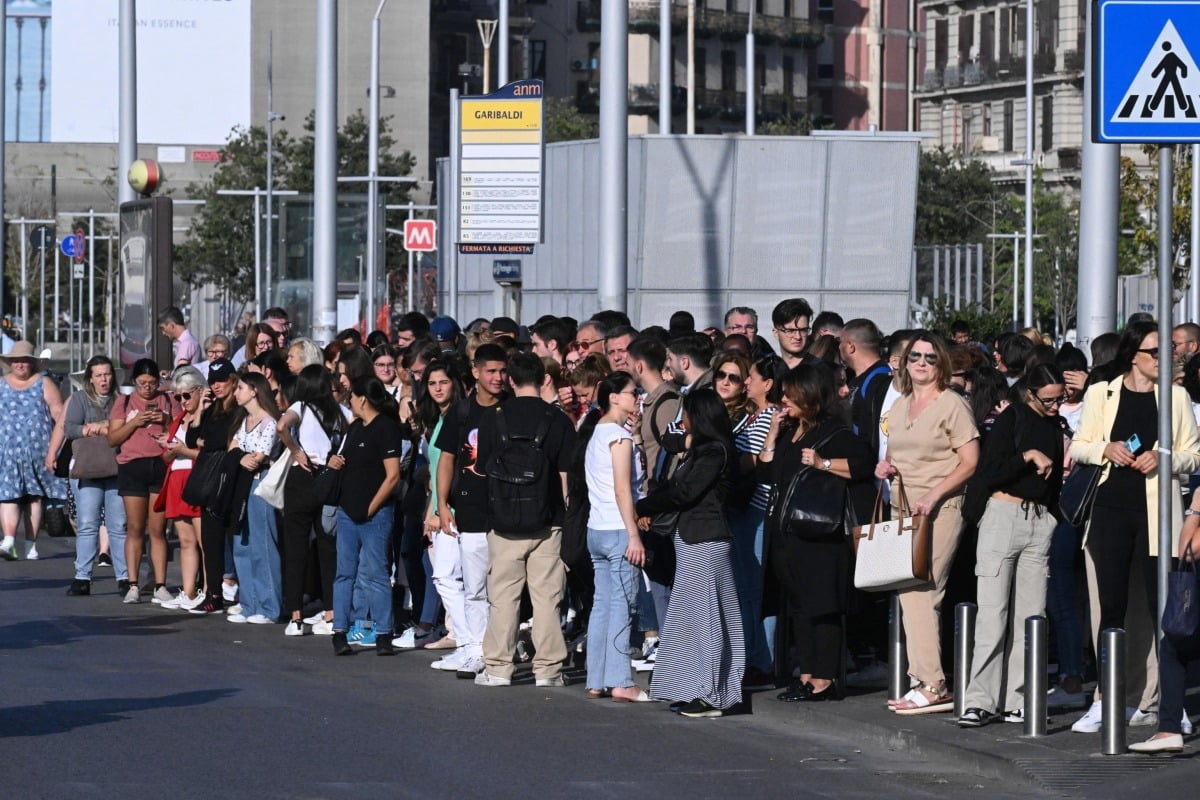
365,449
460,435
522,417
1137,413
866,402
215,427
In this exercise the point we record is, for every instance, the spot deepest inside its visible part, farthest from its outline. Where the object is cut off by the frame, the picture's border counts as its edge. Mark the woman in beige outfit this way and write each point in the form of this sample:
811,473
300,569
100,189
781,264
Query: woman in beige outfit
934,444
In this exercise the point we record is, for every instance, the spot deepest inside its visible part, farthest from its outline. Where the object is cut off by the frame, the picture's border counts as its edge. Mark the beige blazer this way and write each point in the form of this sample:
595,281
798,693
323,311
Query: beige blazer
1100,410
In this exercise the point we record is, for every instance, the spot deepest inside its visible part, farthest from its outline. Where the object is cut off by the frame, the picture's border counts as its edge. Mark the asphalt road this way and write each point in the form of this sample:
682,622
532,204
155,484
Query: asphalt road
110,701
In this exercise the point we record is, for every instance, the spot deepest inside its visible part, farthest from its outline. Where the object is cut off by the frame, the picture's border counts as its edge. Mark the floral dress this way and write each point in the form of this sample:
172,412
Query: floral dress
25,427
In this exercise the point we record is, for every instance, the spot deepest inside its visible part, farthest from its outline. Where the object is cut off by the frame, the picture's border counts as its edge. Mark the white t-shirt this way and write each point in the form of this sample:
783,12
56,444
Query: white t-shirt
889,400
598,465
310,435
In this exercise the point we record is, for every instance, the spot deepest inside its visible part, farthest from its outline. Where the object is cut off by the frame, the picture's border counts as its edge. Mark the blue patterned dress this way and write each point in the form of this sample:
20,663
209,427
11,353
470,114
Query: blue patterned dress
25,427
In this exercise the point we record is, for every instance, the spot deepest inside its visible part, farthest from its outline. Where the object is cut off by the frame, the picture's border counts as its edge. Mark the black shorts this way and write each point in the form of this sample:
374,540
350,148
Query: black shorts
141,477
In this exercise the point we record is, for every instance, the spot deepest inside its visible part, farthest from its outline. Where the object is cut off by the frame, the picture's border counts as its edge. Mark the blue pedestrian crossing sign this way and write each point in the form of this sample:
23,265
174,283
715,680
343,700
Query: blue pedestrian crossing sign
1146,80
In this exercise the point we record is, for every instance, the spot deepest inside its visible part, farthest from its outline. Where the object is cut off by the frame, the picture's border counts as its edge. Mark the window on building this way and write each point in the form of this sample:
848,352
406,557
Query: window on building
941,43
728,71
537,59
1047,123
1009,112
788,11
1005,55
986,122
731,5
825,59
967,144
701,69
760,72
789,76
987,38
825,10
966,37
758,6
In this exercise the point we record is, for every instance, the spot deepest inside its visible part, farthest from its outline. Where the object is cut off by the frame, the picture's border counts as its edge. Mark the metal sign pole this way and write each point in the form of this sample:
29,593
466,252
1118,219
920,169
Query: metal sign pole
1165,375
91,283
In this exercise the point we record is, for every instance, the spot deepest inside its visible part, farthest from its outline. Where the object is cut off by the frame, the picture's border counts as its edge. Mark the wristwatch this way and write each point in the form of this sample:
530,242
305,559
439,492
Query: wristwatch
826,464
1191,512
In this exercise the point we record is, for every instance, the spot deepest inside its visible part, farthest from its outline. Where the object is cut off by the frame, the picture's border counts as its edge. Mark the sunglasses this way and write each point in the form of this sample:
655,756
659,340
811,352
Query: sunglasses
1150,351
584,344
185,396
732,377
930,358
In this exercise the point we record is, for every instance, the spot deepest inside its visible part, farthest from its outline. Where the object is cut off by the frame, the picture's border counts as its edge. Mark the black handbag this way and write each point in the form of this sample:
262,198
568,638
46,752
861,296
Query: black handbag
204,480
327,483
813,504
1079,492
62,462
1181,616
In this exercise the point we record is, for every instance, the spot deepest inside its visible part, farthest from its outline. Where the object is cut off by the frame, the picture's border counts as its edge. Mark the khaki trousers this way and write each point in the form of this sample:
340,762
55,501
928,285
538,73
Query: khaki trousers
922,605
517,562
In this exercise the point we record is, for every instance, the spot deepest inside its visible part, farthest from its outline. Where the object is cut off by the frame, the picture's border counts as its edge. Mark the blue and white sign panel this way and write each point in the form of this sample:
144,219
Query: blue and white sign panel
1147,81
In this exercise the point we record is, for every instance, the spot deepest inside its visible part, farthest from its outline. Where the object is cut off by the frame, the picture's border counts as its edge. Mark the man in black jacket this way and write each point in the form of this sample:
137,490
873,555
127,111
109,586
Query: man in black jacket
527,557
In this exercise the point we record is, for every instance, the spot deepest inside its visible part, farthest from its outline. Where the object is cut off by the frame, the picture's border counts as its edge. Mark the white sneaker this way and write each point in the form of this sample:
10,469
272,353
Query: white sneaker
1089,722
294,628
315,618
234,618
323,628
188,603
259,619
174,602
7,549
472,665
31,553
1185,725
236,608
1141,719
449,662
486,678
162,595
414,638
133,595
229,592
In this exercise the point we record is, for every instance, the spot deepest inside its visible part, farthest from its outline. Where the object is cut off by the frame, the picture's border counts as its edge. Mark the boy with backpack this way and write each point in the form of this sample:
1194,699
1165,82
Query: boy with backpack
525,447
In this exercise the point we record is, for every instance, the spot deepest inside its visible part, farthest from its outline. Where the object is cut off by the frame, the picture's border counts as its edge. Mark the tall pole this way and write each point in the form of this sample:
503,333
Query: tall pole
751,78
127,103
614,145
502,53
3,168
91,310
1099,219
258,302
373,175
691,67
270,242
1165,374
487,30
1194,248
324,302
665,81
24,279
412,284
450,252
1029,44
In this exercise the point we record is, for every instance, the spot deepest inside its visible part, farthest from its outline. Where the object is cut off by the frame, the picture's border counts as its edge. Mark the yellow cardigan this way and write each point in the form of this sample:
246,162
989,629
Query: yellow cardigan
1095,424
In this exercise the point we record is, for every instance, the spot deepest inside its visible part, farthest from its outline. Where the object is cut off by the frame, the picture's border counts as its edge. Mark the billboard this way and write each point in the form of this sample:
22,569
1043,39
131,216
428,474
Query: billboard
194,70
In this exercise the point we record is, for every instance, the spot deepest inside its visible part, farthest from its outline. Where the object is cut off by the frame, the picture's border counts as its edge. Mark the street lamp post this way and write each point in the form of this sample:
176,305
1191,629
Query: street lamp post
272,118
373,172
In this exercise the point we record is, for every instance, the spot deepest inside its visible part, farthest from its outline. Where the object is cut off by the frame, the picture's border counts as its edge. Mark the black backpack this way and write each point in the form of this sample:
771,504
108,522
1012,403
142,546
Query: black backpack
519,476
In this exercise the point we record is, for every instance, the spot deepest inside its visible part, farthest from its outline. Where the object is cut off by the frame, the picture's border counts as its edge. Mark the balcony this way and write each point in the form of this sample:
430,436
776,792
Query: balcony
710,22
932,80
457,14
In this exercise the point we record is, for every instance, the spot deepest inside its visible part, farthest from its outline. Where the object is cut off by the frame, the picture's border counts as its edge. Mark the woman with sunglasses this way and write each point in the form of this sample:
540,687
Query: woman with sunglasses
1015,487
934,445
180,449
1119,431
730,370
137,422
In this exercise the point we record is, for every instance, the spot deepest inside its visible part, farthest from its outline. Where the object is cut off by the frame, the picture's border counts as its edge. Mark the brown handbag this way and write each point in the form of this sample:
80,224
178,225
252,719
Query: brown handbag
893,554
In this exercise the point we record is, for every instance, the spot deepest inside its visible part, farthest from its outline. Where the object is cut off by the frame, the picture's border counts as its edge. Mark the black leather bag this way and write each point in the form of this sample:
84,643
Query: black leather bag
204,481
1079,492
327,483
813,504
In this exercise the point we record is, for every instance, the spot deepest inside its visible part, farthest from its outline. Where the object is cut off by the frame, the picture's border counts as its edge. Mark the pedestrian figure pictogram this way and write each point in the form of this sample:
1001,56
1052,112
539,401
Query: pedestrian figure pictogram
1167,87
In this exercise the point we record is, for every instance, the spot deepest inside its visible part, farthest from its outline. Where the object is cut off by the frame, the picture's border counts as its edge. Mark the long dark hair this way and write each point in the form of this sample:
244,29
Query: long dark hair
708,421
613,383
1131,339
428,412
377,396
314,388
262,393
811,388
1036,377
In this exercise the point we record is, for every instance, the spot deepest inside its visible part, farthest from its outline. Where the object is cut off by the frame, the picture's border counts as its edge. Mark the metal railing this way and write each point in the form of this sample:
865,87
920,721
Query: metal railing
28,35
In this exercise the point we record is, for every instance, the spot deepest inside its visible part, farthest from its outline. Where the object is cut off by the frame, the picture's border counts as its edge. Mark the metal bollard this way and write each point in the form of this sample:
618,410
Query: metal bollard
1035,676
897,654
964,649
1112,684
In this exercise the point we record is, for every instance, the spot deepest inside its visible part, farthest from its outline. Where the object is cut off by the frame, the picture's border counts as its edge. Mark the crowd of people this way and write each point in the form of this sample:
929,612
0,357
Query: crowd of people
526,493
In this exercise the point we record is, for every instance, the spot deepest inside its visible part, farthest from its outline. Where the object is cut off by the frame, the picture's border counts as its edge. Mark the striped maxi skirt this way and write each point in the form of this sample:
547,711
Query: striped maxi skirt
701,654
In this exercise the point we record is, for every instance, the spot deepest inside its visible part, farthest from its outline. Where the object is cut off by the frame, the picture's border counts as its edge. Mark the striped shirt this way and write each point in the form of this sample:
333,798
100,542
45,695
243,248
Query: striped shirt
750,438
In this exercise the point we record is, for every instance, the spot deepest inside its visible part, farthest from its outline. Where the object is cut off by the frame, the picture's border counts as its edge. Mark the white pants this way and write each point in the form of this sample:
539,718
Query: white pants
448,580
473,556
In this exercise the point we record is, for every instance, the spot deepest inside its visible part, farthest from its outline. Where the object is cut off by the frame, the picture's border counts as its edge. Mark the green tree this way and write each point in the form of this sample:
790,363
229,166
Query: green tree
1138,245
564,123
957,201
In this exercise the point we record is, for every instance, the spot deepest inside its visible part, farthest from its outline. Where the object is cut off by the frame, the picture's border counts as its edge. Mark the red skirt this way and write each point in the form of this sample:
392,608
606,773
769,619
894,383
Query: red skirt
170,497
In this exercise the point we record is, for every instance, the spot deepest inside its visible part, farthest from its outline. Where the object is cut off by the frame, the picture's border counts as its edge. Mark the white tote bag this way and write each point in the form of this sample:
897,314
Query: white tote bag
270,488
892,554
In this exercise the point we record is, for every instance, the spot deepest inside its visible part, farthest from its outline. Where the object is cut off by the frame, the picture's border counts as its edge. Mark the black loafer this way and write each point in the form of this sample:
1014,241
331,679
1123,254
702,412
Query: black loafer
79,588
342,647
795,693
830,692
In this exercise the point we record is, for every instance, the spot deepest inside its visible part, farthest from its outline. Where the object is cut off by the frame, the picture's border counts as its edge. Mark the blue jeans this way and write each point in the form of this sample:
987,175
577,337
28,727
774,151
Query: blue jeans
612,612
256,556
1061,604
433,601
89,495
747,526
363,556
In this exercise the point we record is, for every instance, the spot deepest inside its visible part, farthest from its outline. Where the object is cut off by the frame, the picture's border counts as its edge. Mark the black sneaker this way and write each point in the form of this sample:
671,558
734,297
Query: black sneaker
209,606
700,708
976,718
383,645
79,588
104,560
342,647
